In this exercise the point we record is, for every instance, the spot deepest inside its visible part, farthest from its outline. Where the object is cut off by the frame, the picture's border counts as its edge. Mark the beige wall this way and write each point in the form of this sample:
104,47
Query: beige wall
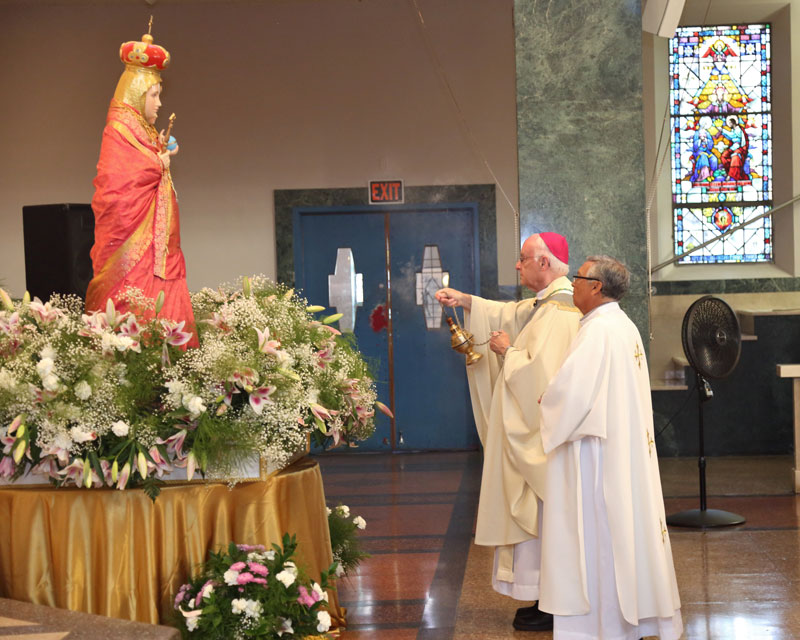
268,95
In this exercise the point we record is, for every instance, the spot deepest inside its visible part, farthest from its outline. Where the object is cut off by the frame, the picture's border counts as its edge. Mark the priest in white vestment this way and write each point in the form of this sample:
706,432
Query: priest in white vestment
528,342
607,569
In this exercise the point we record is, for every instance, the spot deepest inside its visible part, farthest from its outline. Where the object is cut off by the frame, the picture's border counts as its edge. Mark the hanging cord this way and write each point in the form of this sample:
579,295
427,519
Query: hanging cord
471,338
675,415
658,168
708,8
466,131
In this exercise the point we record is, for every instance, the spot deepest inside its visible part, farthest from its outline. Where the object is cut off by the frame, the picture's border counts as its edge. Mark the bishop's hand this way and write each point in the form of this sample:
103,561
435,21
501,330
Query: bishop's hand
454,298
499,342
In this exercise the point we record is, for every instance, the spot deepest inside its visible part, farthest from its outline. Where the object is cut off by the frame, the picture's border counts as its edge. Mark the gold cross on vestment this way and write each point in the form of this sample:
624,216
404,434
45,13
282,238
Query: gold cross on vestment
638,355
650,444
663,531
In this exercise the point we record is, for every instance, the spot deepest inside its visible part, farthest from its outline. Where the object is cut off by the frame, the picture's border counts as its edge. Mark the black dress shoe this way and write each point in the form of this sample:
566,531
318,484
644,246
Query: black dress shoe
532,619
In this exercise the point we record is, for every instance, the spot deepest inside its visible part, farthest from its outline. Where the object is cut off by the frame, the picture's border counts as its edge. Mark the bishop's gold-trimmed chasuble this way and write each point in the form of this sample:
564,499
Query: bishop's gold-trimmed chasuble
505,394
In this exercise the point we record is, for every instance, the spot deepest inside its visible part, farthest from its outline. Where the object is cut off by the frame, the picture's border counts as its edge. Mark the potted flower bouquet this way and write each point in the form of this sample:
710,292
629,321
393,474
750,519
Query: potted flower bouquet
115,399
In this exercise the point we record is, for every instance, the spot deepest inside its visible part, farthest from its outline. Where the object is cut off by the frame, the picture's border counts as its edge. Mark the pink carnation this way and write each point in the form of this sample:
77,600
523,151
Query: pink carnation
305,599
238,566
250,547
244,578
260,581
258,568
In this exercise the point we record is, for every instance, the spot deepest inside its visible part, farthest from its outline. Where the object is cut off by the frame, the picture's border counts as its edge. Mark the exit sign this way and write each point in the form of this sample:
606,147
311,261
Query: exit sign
385,191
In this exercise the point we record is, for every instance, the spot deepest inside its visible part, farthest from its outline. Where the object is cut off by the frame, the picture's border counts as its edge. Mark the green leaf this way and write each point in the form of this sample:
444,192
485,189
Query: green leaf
152,487
98,469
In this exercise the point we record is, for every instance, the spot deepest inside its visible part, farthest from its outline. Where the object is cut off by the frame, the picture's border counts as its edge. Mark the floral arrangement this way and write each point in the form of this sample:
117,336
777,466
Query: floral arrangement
116,399
346,547
248,591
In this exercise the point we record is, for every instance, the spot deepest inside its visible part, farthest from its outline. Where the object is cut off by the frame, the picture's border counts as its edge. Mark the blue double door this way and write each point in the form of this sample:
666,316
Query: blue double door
398,257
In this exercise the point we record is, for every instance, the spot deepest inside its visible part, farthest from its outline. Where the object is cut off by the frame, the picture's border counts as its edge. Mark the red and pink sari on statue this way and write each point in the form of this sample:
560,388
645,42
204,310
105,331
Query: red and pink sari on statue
137,227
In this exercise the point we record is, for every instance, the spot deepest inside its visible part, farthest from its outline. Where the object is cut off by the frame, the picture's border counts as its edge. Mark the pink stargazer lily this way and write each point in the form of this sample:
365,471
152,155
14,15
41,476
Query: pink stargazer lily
325,356
48,466
265,345
384,409
334,432
174,333
94,322
175,444
159,464
228,399
130,327
246,377
8,442
219,321
7,467
45,311
364,414
73,472
15,424
259,396
189,463
11,325
321,412
61,454
124,474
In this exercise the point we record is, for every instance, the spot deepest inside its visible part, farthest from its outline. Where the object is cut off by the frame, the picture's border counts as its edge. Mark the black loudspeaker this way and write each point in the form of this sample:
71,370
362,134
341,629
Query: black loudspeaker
58,239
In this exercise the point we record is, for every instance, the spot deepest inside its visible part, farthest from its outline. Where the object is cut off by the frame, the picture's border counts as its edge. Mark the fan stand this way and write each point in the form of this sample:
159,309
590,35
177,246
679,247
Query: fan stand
703,518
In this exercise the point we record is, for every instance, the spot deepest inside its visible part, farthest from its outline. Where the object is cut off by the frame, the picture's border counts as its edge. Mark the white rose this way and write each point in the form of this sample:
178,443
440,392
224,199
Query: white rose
339,570
107,342
50,382
48,352
123,342
230,578
323,595
7,381
120,428
286,577
81,435
343,510
194,405
238,605
45,367
191,623
252,609
82,390
270,554
360,522
328,510
207,590
324,621
174,386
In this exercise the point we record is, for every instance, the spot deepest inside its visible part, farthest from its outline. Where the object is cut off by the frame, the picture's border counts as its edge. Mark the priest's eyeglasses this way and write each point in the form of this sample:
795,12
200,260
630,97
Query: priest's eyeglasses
577,277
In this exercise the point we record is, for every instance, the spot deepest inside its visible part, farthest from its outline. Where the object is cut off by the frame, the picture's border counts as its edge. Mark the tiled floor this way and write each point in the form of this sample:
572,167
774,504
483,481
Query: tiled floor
427,580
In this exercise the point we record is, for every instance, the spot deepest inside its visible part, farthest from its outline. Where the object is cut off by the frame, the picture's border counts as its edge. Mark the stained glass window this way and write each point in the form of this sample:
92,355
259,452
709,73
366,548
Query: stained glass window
721,137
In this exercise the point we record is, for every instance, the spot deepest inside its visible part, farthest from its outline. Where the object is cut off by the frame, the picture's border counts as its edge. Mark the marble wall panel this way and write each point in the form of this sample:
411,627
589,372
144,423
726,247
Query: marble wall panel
579,125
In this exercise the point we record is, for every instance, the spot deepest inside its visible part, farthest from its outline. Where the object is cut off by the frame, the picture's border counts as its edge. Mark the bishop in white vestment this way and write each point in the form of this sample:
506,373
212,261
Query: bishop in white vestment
607,569
530,340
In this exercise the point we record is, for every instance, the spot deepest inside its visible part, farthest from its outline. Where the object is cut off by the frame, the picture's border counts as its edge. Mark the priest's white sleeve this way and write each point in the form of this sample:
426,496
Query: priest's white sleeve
567,403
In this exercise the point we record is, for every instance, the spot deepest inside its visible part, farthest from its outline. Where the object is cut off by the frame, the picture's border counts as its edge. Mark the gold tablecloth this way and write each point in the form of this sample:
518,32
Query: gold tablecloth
116,553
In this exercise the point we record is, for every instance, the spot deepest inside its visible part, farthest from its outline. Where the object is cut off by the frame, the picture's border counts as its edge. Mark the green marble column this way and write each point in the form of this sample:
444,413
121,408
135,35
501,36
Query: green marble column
579,127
